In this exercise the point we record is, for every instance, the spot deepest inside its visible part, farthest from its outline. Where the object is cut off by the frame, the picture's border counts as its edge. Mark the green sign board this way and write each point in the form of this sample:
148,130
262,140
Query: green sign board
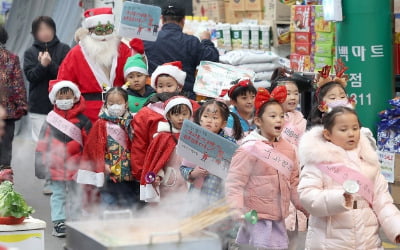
364,43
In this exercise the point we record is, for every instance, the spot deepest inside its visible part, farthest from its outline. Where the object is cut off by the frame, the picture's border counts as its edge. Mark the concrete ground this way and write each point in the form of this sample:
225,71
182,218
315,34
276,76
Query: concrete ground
27,184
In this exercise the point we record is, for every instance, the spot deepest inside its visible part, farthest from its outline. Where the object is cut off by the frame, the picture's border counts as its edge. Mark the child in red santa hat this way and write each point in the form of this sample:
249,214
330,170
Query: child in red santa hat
59,149
106,156
161,159
168,80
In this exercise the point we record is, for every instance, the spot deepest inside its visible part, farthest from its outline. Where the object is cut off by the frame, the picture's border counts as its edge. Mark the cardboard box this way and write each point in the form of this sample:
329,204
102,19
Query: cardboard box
301,18
395,192
276,11
254,15
237,5
216,11
300,63
254,5
319,61
302,48
323,49
325,37
200,7
301,37
319,22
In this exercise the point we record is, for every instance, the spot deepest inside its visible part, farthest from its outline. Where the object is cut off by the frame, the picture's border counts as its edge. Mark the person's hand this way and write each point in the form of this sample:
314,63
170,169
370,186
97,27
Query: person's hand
348,198
107,169
198,172
45,58
237,215
157,182
205,35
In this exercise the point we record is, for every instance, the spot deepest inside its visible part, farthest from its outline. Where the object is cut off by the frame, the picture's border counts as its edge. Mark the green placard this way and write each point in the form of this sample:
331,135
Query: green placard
364,43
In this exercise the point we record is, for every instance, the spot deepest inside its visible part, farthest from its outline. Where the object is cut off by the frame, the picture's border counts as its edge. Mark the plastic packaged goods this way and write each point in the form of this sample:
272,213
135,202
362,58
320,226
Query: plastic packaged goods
265,39
254,36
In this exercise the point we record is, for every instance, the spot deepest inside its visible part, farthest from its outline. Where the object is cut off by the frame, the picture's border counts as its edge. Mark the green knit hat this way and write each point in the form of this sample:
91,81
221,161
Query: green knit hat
135,64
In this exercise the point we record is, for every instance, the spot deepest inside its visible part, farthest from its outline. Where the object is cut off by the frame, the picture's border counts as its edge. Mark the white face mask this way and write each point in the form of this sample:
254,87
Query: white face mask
116,110
65,104
102,37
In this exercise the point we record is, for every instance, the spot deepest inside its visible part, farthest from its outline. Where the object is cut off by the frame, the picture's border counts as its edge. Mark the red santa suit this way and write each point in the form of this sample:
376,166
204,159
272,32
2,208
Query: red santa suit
81,67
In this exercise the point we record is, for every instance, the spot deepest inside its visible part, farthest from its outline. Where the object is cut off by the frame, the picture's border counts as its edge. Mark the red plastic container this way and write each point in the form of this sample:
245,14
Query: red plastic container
11,220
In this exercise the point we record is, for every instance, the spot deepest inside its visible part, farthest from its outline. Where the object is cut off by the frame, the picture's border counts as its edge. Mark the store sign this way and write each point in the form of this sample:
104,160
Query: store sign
366,48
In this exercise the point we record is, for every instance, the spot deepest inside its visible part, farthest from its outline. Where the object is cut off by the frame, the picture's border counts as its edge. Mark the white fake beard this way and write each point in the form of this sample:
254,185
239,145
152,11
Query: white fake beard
101,52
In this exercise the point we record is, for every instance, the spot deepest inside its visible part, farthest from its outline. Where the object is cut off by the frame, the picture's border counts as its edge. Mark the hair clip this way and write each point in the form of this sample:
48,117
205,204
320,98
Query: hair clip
241,83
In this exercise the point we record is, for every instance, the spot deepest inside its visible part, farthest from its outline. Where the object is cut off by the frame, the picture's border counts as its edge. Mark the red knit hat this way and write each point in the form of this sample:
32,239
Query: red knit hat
94,17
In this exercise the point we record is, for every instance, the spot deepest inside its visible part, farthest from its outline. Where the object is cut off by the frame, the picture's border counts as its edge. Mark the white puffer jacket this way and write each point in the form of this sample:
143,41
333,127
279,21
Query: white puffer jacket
332,225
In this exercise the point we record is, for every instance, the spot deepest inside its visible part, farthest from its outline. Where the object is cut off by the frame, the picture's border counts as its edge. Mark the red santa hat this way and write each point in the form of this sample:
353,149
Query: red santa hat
94,17
173,69
56,85
176,100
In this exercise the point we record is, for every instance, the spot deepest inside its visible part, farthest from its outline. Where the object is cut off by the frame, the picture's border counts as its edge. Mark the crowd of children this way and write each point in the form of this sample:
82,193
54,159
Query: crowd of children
130,155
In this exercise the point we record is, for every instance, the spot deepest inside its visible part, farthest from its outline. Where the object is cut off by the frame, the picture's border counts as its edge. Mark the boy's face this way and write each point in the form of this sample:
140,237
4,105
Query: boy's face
245,103
167,84
137,81
65,96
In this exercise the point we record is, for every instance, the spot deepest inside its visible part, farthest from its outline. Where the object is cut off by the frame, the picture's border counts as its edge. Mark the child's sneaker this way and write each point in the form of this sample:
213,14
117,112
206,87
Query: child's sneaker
59,229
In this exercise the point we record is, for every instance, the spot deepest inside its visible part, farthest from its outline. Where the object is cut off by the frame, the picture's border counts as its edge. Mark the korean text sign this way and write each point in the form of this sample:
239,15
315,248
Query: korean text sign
139,20
205,149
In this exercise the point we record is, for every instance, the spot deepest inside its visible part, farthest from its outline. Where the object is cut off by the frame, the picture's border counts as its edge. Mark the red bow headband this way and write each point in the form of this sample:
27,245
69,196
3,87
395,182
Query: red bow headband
241,83
263,96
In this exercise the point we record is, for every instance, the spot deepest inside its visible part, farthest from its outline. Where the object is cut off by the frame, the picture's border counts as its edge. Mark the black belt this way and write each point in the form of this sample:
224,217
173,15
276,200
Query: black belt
93,96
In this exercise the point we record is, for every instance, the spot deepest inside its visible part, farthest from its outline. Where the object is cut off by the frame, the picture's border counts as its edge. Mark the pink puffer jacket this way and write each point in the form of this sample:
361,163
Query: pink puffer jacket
253,184
332,225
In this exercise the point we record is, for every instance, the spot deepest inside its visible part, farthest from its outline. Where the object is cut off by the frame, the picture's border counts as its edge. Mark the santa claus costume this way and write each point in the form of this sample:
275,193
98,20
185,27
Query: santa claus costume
162,160
146,121
98,60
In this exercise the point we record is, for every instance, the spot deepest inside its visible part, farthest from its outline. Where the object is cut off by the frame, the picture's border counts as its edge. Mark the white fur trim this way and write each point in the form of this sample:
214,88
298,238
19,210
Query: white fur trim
135,69
173,71
60,85
165,127
176,101
312,144
93,21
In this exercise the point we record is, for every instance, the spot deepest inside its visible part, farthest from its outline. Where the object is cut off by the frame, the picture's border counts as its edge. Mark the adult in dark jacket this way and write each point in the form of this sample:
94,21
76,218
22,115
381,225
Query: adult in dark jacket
173,45
41,63
12,98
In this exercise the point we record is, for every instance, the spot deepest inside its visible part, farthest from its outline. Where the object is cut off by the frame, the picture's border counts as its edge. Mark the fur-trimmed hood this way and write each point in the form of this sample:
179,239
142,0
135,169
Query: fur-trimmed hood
255,135
313,143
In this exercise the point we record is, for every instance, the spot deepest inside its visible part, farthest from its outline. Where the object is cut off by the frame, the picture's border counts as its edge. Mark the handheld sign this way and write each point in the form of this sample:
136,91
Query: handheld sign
140,21
205,149
387,161
213,77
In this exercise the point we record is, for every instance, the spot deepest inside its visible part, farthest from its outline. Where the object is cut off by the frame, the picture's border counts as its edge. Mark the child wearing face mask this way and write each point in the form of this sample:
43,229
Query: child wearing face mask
167,80
59,150
342,187
330,93
161,158
264,175
107,153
